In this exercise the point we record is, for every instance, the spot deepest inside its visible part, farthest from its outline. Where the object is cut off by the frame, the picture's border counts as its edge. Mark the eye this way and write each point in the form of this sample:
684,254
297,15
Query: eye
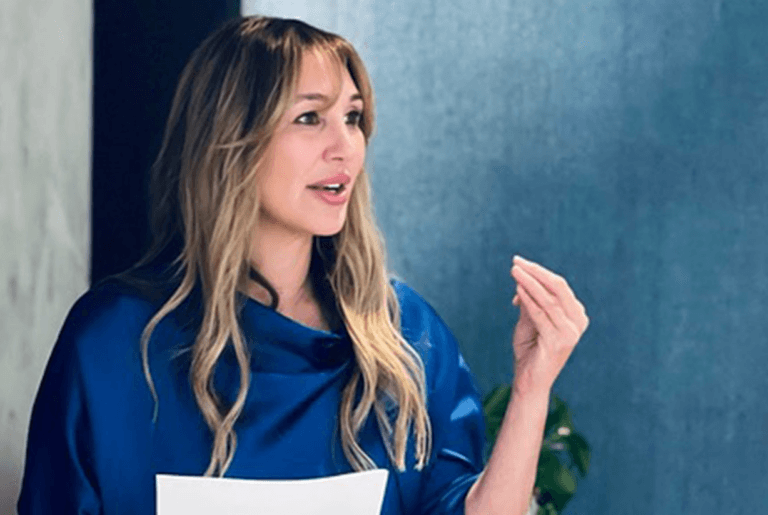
310,118
354,117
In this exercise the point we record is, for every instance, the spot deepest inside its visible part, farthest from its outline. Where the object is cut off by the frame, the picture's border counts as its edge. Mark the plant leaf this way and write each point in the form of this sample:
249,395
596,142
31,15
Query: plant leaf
557,481
550,509
492,426
566,480
558,417
494,406
495,402
547,462
579,450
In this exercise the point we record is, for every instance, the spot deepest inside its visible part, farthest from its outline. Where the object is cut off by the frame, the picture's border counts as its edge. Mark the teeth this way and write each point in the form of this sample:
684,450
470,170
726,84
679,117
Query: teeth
336,188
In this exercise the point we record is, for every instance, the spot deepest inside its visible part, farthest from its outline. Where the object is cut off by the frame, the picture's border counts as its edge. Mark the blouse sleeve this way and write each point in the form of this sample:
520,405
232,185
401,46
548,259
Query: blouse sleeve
455,410
58,476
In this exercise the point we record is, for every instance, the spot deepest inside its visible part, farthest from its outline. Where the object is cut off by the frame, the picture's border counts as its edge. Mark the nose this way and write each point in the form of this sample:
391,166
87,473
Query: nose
341,142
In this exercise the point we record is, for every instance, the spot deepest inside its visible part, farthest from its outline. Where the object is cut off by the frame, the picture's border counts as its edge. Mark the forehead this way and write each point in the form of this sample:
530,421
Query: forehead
322,72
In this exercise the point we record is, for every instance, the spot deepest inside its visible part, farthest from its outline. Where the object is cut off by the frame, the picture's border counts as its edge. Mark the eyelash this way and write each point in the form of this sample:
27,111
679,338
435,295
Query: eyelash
356,114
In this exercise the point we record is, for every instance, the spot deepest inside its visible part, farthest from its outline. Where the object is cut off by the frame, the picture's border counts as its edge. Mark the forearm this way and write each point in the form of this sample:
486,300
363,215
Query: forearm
506,485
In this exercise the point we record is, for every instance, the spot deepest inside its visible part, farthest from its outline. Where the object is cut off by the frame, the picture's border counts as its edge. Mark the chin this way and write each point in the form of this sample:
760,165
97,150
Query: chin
328,230
328,226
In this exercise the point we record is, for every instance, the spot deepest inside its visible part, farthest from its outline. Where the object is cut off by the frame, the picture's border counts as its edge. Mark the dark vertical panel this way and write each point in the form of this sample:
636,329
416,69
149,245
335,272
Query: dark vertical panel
140,48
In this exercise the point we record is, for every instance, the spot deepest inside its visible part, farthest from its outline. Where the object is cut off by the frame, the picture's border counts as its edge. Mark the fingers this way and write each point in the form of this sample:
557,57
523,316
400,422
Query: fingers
542,299
540,317
558,287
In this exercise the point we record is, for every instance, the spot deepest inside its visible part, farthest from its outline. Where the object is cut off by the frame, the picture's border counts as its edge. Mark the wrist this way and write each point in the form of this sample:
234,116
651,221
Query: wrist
521,391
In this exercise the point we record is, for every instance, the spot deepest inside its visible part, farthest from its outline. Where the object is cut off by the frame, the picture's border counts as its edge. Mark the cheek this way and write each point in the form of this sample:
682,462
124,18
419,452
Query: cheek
360,153
288,172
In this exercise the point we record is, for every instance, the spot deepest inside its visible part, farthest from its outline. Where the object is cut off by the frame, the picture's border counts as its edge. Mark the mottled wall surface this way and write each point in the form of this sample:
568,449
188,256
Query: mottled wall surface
45,121
622,143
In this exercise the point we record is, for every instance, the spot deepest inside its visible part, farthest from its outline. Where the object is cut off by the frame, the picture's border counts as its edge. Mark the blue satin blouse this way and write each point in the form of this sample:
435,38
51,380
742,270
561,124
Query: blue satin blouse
93,447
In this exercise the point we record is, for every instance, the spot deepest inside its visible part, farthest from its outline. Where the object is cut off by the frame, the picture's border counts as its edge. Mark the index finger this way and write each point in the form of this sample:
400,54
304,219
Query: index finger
554,283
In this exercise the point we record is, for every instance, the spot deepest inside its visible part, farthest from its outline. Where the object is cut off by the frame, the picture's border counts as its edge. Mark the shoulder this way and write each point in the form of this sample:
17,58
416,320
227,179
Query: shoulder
101,317
112,311
416,313
424,329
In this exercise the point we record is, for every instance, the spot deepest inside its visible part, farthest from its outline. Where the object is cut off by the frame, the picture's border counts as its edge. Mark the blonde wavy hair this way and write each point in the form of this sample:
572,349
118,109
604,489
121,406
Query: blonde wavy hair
205,204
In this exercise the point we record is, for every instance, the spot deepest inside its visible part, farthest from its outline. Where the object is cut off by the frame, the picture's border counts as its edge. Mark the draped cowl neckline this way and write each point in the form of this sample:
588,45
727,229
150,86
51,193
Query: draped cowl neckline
279,344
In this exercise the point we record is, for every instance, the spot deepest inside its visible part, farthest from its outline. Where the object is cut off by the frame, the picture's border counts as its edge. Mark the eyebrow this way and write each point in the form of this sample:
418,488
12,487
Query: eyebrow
324,98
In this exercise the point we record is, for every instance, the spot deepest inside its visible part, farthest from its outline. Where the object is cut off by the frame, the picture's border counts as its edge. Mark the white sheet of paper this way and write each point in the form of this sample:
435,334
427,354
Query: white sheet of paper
356,493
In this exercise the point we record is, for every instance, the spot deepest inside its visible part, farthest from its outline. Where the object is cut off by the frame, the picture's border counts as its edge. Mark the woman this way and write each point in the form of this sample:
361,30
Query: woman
260,336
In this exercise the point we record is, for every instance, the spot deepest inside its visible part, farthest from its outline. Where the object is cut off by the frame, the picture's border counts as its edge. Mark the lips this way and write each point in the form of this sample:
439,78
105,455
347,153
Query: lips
338,179
335,184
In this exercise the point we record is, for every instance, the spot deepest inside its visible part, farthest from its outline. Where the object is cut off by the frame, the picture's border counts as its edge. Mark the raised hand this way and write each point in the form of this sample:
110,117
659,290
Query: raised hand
551,322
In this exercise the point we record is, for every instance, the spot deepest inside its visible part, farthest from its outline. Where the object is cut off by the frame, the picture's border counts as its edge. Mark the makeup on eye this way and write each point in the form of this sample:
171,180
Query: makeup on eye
310,118
353,117
323,103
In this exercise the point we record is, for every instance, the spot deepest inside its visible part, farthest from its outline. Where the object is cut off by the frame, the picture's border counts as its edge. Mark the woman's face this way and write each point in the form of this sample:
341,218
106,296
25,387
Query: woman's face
318,139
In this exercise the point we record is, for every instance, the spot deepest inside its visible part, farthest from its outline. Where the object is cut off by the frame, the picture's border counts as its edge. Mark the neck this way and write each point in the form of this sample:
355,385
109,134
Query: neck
283,259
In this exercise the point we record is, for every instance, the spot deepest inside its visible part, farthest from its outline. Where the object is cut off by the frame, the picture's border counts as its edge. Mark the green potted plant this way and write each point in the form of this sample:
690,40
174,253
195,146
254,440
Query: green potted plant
564,452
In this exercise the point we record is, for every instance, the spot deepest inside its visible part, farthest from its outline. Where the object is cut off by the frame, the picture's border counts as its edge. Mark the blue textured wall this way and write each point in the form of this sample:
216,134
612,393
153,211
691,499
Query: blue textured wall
621,143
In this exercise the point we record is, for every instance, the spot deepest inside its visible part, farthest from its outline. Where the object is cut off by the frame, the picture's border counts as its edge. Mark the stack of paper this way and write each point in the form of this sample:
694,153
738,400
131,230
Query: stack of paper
358,493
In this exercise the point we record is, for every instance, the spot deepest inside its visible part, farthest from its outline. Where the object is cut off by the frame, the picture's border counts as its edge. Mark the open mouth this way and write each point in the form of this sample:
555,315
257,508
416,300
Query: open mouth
336,189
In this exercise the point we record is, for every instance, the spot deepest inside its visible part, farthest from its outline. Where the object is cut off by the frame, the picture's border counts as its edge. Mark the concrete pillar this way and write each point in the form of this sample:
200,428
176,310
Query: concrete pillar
45,144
